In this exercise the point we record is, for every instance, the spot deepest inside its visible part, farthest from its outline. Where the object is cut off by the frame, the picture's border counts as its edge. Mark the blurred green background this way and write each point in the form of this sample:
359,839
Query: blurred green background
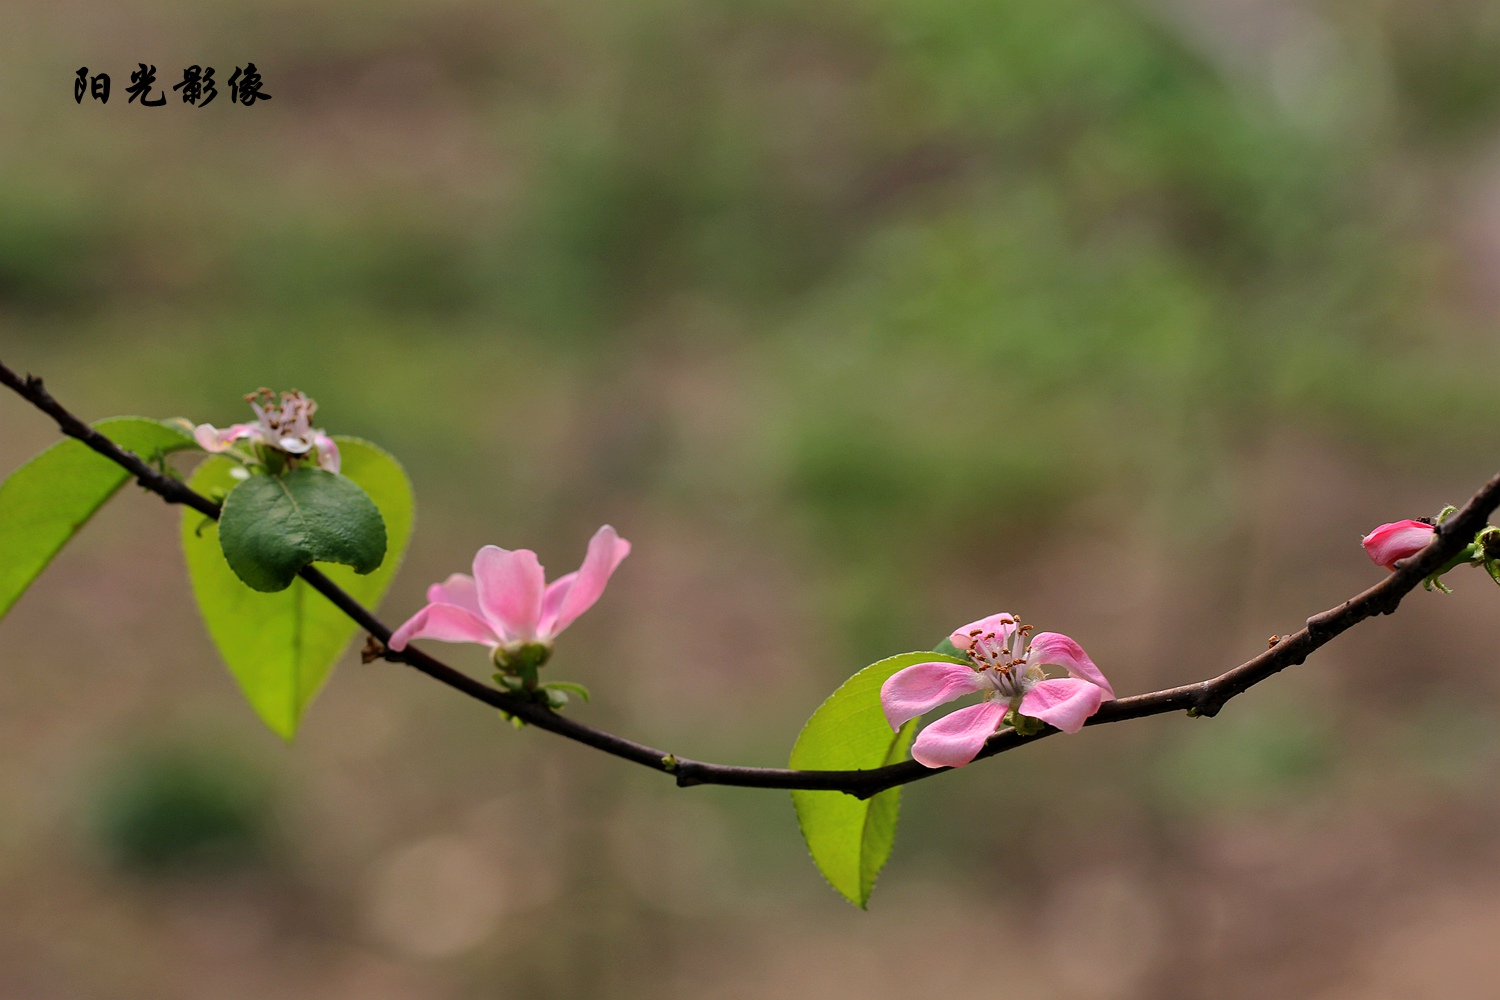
861,319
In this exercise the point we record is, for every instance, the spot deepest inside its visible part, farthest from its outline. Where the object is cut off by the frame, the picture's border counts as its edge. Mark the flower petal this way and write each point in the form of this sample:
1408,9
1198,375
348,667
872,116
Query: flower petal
1002,625
509,588
1397,540
445,623
207,436
328,453
458,589
1056,649
956,739
606,550
920,688
211,439
1064,702
552,600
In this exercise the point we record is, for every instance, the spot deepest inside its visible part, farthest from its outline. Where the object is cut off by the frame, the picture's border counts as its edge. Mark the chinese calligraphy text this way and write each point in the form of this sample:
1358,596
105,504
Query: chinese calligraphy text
198,86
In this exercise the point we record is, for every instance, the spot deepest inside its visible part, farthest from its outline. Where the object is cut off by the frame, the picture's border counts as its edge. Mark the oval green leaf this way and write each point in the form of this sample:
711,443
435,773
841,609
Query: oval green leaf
850,838
46,501
272,526
281,647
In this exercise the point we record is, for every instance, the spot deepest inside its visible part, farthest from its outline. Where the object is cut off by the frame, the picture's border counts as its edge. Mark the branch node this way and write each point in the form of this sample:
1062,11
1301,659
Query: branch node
1317,625
669,763
374,650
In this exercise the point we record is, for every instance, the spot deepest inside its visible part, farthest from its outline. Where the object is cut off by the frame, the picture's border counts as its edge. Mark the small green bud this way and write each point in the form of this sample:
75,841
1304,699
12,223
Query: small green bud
1024,725
522,658
273,459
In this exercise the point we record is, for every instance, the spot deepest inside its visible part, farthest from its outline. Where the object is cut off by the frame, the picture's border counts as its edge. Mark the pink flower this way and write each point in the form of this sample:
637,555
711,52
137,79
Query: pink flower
1009,672
286,427
1397,540
507,603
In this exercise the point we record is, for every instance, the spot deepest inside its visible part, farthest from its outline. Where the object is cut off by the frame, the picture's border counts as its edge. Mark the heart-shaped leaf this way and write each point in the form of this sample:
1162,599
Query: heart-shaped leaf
850,838
46,501
272,526
282,646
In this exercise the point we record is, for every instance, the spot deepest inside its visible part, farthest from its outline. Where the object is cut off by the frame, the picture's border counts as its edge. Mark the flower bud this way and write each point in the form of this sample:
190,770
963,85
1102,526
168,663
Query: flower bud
1392,542
522,658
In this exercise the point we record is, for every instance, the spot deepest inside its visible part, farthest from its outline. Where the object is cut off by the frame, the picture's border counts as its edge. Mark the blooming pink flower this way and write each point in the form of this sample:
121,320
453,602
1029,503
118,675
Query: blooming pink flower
1397,540
286,427
1010,673
507,603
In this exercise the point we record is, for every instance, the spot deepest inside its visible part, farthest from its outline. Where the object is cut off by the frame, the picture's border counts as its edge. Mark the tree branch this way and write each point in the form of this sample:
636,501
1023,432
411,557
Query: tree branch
1204,698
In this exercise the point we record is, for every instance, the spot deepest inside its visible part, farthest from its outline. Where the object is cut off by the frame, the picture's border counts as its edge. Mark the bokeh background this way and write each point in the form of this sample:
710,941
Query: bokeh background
861,319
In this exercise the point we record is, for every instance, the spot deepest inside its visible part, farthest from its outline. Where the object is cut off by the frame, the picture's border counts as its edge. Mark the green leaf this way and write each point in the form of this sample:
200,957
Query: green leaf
272,526
568,687
46,501
850,838
281,646
947,648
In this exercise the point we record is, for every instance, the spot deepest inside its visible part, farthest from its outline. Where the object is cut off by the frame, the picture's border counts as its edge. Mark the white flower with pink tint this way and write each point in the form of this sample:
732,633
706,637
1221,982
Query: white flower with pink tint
285,426
508,605
1010,672
1397,540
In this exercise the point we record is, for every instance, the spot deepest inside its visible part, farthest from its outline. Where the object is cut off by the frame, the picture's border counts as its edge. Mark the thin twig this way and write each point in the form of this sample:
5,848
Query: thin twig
171,490
1204,698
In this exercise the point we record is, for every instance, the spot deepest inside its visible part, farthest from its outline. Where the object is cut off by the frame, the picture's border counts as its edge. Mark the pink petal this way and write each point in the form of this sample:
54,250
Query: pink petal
207,436
1056,649
509,586
445,623
458,589
328,453
1065,702
212,439
956,739
919,689
1002,625
606,550
552,600
1397,540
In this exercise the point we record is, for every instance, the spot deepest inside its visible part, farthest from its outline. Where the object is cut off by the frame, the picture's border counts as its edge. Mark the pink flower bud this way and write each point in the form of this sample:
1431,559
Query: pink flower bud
1397,540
